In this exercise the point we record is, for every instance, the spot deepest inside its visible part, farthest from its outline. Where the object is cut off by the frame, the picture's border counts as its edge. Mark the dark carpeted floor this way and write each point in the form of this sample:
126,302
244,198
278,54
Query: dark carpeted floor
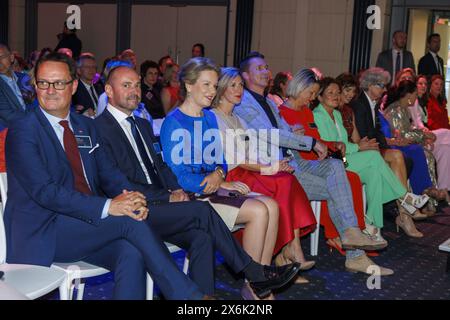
418,264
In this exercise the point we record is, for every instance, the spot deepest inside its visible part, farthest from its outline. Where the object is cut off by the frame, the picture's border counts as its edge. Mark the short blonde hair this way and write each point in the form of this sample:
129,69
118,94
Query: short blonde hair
227,75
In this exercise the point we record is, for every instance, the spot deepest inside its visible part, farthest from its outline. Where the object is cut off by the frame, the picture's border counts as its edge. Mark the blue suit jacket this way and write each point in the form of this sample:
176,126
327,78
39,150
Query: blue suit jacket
10,107
41,185
82,96
120,150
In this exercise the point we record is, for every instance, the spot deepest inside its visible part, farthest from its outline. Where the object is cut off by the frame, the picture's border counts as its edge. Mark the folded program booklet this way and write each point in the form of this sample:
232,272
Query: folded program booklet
445,246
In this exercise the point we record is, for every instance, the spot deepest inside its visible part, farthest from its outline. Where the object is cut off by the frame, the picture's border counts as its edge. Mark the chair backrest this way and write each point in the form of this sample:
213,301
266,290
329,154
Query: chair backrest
3,192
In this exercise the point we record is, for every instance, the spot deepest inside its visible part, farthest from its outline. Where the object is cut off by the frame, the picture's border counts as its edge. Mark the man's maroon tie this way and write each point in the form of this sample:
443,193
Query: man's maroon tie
73,155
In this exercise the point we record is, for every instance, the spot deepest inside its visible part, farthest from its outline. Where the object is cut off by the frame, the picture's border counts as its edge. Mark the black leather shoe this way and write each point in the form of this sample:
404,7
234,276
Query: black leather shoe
277,277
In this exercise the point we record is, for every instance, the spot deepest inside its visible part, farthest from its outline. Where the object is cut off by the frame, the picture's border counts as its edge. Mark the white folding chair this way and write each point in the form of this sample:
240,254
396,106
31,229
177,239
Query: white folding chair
316,207
25,281
172,249
76,272
150,284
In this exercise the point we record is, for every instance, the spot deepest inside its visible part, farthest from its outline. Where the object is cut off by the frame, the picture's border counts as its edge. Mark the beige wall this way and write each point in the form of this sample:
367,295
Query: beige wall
157,31
380,38
293,34
231,32
444,31
418,33
16,30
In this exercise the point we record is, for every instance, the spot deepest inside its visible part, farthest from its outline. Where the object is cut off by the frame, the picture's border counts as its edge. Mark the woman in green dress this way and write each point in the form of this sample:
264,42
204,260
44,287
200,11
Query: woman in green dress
381,183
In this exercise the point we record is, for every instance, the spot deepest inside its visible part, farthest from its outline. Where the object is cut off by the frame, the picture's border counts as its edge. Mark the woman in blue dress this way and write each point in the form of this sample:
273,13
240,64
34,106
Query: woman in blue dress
192,148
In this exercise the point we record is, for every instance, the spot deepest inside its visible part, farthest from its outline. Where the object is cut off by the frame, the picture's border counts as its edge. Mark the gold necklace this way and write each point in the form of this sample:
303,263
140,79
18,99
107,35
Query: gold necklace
227,120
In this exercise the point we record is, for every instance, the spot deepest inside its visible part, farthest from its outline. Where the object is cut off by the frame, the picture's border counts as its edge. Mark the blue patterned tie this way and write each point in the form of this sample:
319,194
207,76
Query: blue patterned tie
143,153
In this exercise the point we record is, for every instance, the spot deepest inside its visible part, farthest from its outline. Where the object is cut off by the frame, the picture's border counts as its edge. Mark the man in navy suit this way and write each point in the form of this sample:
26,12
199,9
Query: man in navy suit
11,101
130,142
68,201
431,64
398,58
86,97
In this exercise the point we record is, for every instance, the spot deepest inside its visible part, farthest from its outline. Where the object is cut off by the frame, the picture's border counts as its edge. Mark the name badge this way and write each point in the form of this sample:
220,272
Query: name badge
157,147
84,142
312,125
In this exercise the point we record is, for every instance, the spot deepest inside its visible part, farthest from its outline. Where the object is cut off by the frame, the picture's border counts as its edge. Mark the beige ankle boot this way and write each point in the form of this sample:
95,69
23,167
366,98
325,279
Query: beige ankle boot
354,239
365,265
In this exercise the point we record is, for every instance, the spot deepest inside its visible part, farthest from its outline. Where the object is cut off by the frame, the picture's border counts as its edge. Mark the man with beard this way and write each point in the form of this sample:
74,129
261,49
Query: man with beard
192,225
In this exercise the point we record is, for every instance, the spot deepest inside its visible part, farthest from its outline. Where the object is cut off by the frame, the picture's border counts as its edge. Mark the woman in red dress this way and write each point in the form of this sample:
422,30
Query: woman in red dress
170,94
437,105
296,112
296,218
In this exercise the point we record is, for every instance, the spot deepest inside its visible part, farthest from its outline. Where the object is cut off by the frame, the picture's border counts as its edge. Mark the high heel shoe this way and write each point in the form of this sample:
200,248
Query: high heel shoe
280,260
405,222
285,257
444,196
333,245
438,194
418,215
429,210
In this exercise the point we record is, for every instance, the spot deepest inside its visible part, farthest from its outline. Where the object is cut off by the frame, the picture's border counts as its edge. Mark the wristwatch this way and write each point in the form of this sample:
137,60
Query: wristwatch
220,171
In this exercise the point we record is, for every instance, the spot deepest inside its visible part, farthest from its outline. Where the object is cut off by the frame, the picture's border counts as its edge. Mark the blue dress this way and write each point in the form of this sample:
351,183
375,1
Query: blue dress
419,178
192,147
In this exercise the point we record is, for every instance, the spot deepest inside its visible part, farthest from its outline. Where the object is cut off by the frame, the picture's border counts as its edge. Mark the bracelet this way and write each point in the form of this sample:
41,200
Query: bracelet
220,171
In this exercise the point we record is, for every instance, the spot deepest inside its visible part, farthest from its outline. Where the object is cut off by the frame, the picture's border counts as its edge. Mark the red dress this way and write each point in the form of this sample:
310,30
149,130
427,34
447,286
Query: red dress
437,114
305,117
294,209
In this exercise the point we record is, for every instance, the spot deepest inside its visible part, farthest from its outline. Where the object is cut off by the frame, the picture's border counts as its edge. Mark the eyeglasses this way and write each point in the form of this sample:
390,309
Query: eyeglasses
57,85
380,85
262,67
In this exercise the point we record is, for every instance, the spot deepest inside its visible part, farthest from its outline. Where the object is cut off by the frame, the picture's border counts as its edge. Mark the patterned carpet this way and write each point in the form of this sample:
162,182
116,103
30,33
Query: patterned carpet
418,264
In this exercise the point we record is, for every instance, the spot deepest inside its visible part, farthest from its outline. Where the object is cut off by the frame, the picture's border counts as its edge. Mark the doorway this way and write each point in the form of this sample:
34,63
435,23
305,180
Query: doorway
158,30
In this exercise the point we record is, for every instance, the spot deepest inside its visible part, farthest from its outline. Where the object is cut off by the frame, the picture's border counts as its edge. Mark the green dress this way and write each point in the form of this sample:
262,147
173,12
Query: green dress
382,185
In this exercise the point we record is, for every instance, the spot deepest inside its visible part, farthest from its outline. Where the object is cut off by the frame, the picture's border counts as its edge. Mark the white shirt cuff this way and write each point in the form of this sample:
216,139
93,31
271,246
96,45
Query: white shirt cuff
105,211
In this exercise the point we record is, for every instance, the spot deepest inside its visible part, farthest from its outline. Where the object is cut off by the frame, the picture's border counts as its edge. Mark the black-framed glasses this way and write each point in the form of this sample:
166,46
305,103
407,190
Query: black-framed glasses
57,85
380,85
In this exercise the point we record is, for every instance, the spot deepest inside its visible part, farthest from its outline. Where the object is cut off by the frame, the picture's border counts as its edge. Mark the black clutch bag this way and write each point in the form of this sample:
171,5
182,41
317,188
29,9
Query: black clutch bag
338,155
222,196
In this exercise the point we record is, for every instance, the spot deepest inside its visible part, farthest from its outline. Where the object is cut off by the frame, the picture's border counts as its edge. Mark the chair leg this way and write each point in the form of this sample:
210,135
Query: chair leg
79,285
149,287
316,207
64,290
364,198
316,245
